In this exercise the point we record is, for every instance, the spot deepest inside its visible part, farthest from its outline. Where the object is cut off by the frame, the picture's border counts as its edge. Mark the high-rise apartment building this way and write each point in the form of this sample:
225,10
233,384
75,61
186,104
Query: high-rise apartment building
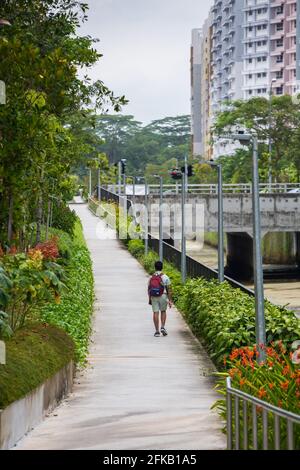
254,52
256,26
196,90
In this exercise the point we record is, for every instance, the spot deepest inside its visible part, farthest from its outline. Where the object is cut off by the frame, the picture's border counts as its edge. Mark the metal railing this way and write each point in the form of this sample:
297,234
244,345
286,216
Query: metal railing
207,189
269,426
211,189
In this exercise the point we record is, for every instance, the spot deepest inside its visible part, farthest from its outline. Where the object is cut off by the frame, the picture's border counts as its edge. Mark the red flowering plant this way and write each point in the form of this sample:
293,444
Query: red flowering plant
49,249
34,279
276,380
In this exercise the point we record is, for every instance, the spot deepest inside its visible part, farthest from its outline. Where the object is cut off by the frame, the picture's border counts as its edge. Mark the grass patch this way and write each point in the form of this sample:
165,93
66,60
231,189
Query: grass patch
34,354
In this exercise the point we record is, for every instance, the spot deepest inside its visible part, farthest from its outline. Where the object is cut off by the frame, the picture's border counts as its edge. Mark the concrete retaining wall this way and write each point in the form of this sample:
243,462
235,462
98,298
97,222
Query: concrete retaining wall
23,415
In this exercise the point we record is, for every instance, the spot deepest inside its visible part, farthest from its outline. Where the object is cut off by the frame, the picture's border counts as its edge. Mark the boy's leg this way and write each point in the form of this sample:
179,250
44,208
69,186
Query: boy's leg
163,318
156,320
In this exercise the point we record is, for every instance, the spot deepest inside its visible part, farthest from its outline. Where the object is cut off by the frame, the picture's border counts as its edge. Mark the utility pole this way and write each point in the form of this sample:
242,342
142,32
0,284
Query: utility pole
183,234
120,178
257,256
161,249
270,176
99,185
258,272
220,225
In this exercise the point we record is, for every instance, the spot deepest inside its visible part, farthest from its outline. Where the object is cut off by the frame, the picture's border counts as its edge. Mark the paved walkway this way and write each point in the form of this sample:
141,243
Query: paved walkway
139,392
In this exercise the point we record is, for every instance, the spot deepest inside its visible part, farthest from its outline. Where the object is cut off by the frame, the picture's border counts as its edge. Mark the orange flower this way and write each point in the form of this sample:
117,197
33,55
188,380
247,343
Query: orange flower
279,403
285,385
234,354
262,393
242,382
271,386
286,370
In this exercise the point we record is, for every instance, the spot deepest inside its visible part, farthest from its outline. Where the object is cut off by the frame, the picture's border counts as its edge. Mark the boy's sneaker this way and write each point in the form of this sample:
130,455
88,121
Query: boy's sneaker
164,331
157,333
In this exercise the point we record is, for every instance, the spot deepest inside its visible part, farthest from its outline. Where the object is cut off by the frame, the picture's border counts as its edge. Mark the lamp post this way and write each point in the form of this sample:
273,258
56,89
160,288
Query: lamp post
270,176
119,178
99,184
220,220
90,182
161,254
183,235
258,269
146,217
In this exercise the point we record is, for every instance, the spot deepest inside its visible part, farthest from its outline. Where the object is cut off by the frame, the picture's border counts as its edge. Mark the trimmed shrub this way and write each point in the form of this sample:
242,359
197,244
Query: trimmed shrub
64,218
73,313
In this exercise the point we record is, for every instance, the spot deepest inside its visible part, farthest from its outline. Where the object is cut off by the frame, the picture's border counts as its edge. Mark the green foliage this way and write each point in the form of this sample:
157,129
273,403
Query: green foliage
63,218
42,125
254,116
160,143
136,247
224,317
73,313
31,282
34,354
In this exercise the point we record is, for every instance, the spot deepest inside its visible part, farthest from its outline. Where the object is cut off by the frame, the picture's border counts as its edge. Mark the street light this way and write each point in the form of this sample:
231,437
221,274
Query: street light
146,218
161,254
220,219
258,270
270,127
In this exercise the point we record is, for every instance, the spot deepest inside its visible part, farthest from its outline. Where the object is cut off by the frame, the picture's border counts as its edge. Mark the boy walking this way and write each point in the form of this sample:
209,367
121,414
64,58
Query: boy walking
160,295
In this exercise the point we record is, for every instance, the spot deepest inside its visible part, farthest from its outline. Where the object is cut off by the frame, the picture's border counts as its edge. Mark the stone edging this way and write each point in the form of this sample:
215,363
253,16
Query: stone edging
23,415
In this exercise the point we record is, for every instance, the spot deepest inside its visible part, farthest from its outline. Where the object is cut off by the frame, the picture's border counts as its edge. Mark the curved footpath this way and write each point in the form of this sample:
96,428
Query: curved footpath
138,392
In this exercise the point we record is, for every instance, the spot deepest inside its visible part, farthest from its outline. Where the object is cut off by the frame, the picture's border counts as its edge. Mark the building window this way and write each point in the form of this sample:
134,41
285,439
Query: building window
279,26
279,42
279,74
279,58
279,10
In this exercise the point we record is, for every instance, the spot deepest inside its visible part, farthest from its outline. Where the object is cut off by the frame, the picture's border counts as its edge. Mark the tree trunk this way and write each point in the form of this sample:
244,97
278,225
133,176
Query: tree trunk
39,217
10,216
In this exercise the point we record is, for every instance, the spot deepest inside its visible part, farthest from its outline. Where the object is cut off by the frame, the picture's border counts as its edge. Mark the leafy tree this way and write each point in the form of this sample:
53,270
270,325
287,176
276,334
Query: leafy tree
39,142
254,115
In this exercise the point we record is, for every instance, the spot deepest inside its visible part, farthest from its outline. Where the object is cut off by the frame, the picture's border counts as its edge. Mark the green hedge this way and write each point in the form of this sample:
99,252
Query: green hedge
73,313
33,355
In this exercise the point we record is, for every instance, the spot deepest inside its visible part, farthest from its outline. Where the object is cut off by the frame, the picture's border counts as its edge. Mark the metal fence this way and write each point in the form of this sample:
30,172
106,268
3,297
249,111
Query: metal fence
193,268
211,189
255,424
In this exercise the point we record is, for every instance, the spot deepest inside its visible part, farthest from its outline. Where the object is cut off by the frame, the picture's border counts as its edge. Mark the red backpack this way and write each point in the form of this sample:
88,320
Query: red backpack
156,287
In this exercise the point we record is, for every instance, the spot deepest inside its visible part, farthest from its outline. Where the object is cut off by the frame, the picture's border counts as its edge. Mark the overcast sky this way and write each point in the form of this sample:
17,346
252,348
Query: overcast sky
146,51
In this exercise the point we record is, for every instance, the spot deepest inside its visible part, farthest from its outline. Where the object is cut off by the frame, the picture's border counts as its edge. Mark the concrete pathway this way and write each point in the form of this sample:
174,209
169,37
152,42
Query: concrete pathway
139,392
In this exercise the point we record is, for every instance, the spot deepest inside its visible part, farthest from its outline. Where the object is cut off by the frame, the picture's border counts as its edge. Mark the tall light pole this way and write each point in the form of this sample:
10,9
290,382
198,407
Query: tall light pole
270,176
146,217
161,249
99,183
183,234
257,258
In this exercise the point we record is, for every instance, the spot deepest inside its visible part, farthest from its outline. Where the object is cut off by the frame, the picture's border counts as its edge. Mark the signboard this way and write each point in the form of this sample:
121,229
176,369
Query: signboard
2,93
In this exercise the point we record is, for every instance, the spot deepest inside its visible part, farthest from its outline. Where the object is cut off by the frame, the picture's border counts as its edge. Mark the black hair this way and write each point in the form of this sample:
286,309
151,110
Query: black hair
158,266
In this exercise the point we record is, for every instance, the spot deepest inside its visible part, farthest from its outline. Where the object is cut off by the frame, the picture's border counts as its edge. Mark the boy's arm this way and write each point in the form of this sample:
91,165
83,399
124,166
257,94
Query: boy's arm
169,294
